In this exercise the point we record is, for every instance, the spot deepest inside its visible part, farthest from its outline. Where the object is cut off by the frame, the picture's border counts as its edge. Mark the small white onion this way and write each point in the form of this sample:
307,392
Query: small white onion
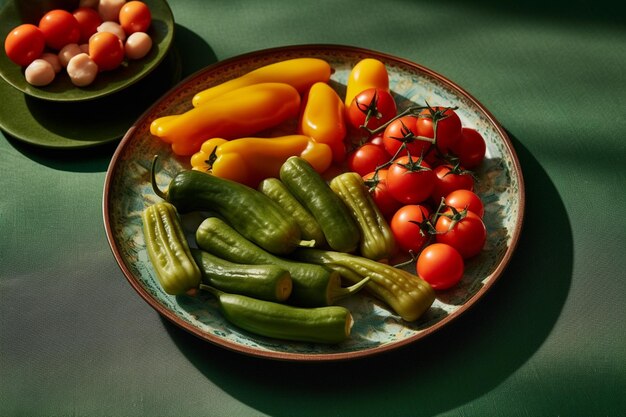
138,45
82,70
114,28
54,60
39,73
68,52
110,9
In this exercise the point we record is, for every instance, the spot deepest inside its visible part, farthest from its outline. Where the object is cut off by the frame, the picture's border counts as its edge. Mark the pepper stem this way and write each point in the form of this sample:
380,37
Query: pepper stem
214,291
306,243
337,293
155,186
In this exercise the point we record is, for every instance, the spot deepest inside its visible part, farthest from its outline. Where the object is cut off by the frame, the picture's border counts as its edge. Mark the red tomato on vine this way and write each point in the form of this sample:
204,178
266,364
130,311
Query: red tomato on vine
440,265
377,184
402,133
463,230
371,109
448,125
411,227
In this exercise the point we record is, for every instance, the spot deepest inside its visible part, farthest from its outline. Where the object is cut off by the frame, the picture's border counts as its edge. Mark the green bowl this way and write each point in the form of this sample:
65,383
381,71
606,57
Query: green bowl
15,13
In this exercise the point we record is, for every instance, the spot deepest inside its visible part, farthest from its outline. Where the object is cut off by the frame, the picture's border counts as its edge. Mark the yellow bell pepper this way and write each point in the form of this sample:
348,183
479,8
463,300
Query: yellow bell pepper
241,112
323,119
250,160
301,73
367,73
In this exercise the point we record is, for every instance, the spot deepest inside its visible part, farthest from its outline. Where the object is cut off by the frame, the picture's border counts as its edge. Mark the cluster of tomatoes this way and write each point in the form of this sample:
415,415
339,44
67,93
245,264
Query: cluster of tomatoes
93,38
418,165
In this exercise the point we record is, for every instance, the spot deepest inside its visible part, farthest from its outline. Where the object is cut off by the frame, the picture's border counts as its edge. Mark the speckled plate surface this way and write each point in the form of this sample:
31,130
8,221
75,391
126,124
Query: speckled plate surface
61,89
127,192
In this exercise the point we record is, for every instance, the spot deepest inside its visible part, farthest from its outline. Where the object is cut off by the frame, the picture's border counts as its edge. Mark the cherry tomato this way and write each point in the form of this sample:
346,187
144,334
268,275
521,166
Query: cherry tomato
134,17
367,158
106,50
377,140
463,230
404,131
371,108
470,148
410,180
450,178
448,126
409,227
88,20
377,184
440,265
24,44
465,199
59,28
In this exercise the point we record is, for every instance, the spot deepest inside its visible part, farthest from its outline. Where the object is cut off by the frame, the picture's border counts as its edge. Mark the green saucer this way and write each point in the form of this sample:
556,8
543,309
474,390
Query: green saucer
84,124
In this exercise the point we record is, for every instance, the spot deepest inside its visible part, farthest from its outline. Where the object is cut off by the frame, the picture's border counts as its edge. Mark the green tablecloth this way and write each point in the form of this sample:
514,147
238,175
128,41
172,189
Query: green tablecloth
548,340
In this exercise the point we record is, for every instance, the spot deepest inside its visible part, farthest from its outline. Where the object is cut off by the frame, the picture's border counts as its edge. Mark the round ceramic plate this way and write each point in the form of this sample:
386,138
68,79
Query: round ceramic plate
127,192
61,89
74,125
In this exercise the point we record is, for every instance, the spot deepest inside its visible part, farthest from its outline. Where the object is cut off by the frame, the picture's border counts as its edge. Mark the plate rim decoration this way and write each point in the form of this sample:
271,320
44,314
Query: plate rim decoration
106,83
305,50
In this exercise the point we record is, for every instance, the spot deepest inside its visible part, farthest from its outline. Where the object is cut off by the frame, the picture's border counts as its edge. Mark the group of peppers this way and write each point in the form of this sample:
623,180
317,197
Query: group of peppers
271,202
253,255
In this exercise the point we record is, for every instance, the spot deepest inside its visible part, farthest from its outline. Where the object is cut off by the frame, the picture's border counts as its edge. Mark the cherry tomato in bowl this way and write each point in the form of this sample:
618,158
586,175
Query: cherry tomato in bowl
106,50
59,28
134,17
24,44
88,20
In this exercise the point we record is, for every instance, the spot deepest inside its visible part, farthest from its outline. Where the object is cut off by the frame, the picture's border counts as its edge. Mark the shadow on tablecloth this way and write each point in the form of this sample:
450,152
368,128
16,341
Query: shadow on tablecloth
461,362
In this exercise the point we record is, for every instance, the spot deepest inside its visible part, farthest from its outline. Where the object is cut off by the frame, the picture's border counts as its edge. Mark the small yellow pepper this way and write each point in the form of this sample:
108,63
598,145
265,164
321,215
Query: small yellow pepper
367,73
323,119
250,160
301,73
241,112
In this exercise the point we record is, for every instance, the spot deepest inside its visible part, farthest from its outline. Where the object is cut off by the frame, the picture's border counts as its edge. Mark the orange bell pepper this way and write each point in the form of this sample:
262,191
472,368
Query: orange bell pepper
241,112
367,73
301,73
323,119
250,160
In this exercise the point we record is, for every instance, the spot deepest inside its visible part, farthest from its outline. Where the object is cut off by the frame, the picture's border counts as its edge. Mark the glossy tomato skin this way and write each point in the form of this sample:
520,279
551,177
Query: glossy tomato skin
134,17
466,199
440,265
448,127
470,148
59,28
24,44
88,20
377,183
410,180
404,131
449,179
367,158
106,50
377,102
467,234
406,227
